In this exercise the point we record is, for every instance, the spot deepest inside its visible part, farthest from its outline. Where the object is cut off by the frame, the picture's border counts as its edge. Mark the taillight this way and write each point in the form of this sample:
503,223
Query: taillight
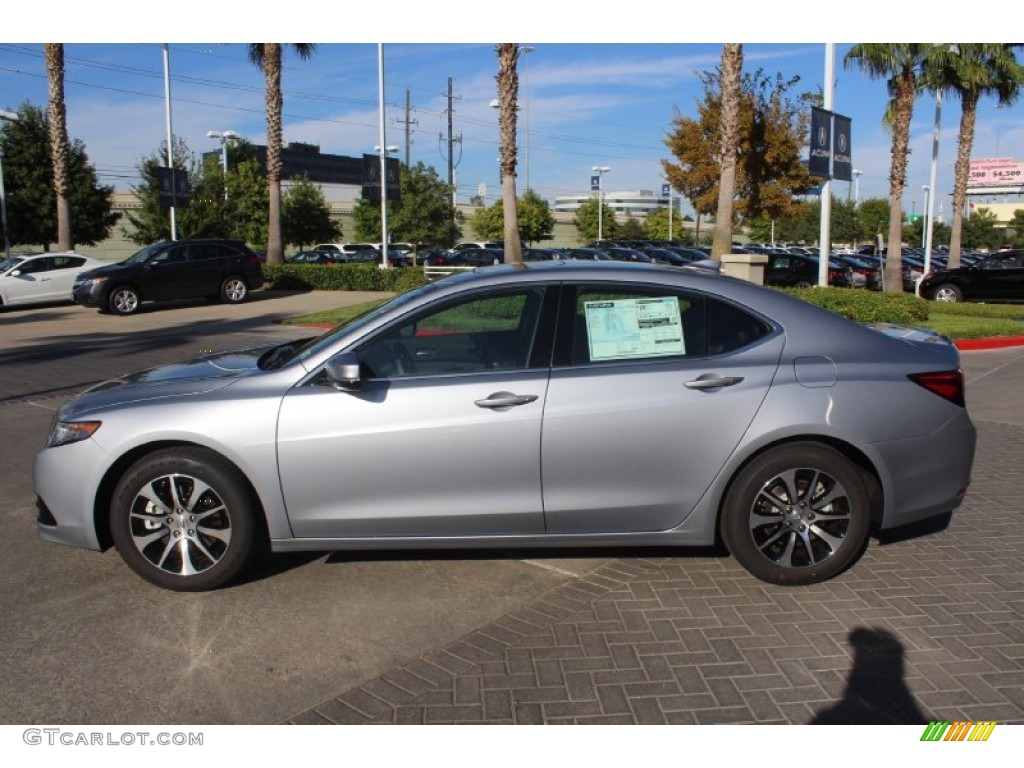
945,384
835,274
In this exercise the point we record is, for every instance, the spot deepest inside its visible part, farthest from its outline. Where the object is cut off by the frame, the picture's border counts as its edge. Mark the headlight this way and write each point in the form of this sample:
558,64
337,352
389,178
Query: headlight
94,281
65,432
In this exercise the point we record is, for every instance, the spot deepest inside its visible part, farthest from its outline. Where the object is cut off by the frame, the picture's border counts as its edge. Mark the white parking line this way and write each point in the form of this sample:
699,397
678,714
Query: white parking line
547,567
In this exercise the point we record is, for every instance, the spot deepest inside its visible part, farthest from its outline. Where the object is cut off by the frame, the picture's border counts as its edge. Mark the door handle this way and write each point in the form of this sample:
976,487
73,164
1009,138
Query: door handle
504,400
712,381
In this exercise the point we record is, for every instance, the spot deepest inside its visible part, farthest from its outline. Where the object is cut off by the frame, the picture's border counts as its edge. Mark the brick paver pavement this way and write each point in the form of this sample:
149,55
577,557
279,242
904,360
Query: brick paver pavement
923,628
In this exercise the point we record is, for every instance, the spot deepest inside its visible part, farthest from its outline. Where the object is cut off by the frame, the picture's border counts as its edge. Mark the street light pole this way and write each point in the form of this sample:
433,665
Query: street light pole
526,110
10,117
856,186
225,137
600,170
927,206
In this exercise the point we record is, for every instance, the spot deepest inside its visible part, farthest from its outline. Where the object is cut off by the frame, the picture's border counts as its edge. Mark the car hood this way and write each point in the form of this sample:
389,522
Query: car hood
107,270
190,377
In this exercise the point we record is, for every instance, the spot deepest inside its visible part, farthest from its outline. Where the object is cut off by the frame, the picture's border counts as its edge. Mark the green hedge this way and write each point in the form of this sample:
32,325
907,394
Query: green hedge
866,306
342,277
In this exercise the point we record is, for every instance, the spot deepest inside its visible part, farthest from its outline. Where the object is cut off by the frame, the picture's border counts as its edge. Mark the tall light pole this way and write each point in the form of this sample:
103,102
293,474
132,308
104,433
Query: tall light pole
382,148
856,186
170,137
927,206
225,137
600,170
10,117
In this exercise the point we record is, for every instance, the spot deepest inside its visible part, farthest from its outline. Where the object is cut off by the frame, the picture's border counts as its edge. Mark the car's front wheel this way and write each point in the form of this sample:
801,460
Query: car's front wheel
234,290
797,514
948,292
124,300
182,519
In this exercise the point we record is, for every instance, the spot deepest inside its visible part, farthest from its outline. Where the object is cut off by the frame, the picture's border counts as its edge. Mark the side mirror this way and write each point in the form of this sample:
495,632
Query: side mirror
16,273
343,372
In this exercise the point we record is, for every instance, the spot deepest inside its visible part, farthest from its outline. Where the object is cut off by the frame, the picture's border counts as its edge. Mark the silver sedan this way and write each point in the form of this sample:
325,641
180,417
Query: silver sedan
553,404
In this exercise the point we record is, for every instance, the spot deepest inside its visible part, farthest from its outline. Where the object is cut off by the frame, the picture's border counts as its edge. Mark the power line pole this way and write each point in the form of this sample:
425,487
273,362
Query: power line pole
452,141
408,122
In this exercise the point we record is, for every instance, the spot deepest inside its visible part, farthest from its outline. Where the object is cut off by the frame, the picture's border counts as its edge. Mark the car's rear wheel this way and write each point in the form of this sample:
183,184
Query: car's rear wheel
182,519
234,290
124,300
797,514
948,292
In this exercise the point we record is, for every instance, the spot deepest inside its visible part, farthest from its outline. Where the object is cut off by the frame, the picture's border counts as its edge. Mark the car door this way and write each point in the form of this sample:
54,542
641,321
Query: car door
651,391
166,275
65,268
1000,278
443,437
33,283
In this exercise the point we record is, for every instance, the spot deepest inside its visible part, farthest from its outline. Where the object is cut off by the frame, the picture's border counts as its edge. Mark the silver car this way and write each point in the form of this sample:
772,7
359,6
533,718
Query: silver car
41,278
546,405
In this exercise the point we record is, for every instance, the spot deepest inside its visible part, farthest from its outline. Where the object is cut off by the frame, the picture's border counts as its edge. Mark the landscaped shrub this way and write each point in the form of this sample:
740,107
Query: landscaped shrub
866,306
341,277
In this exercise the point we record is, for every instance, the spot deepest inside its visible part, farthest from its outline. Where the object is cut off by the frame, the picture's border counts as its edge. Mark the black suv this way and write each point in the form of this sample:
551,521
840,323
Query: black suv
224,270
999,277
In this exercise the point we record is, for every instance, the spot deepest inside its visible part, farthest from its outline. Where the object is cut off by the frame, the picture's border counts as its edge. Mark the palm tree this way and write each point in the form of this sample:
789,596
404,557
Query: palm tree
508,96
970,71
732,70
900,64
60,147
267,57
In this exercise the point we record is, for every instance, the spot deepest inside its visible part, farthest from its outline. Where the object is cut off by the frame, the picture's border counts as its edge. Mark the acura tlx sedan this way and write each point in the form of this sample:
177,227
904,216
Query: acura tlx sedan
552,404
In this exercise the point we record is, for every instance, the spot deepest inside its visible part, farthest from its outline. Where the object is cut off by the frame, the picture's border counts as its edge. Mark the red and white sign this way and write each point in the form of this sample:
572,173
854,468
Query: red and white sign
996,172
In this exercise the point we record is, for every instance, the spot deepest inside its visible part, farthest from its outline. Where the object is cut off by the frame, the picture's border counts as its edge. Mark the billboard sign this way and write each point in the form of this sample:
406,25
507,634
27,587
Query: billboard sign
996,172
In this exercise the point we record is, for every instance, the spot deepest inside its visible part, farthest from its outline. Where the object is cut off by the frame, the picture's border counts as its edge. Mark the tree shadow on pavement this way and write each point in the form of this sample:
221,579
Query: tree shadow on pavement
876,692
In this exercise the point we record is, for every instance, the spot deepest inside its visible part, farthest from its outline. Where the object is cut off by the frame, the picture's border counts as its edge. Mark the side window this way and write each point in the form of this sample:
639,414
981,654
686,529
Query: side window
495,332
611,325
170,256
67,262
35,266
615,325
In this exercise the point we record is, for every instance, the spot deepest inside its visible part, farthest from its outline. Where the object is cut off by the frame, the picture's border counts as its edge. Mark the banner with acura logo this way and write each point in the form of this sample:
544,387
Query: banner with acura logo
830,153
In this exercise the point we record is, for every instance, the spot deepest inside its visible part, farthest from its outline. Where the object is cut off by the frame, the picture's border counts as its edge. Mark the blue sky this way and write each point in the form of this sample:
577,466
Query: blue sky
587,103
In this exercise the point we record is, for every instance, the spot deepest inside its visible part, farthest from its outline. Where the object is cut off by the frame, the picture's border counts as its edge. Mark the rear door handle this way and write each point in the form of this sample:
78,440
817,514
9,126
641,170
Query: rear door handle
712,381
504,400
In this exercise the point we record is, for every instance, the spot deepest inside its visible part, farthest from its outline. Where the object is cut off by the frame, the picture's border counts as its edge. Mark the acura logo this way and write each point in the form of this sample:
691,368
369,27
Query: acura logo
822,136
842,142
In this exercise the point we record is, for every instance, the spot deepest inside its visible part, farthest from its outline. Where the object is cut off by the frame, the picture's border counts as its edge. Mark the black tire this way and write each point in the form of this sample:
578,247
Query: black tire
797,514
234,290
948,292
124,300
159,501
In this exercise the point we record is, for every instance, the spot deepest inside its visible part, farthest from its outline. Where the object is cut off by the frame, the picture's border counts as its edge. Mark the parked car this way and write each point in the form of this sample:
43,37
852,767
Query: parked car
999,277
183,269
494,245
41,278
326,258
793,271
634,404
347,249
476,257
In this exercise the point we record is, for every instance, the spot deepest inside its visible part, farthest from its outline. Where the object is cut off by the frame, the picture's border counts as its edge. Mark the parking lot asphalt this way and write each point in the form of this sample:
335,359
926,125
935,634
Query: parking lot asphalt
925,627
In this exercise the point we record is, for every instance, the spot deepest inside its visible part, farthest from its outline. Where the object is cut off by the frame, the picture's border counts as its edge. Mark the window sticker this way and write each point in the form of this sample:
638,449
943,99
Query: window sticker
629,328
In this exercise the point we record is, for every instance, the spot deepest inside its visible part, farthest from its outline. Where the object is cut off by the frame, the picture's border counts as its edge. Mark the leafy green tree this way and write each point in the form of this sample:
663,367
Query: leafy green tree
488,223
631,229
656,226
306,216
29,186
424,214
980,231
971,71
150,222
586,221
267,58
247,201
1014,230
873,218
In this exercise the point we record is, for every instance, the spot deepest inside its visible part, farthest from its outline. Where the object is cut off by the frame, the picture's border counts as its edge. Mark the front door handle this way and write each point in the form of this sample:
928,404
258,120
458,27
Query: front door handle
504,400
712,381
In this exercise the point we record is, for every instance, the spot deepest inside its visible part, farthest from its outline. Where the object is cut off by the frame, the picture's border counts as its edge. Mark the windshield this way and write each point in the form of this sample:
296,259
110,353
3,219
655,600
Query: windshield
144,255
6,264
301,350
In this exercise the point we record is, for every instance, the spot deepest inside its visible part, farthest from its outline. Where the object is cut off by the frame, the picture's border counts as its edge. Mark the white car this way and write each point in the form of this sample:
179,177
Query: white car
41,278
